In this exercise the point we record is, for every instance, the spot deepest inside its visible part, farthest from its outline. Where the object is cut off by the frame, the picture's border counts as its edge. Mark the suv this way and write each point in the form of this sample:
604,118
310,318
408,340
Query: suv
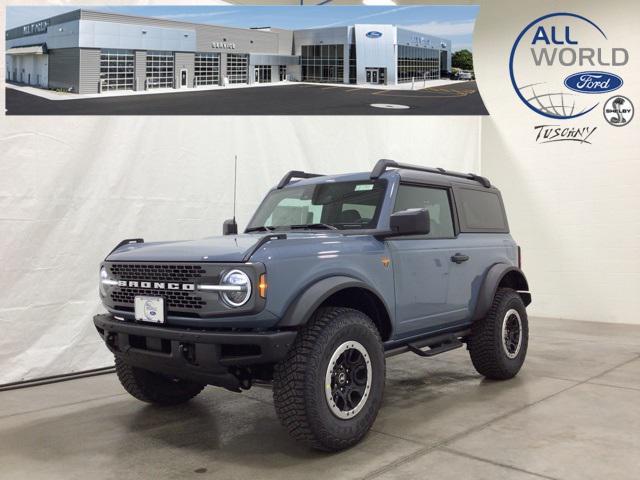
332,274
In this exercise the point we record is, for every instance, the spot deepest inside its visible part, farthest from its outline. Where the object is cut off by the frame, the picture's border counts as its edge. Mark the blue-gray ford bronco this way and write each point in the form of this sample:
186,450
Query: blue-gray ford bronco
332,274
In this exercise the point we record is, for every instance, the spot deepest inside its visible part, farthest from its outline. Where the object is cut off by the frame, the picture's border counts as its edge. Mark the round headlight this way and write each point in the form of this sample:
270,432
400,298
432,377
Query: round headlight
239,290
104,275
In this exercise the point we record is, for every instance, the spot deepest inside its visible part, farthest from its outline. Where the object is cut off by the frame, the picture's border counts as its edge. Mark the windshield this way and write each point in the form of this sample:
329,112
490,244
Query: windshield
340,205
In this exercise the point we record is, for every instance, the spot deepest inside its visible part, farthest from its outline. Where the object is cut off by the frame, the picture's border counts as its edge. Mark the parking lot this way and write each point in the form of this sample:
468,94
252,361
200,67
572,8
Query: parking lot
297,99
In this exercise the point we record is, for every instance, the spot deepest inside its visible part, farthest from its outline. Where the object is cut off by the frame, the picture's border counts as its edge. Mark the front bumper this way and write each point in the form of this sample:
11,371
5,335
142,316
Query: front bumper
203,356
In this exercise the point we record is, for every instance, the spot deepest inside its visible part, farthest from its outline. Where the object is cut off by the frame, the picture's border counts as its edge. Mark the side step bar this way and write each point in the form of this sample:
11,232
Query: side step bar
436,345
434,350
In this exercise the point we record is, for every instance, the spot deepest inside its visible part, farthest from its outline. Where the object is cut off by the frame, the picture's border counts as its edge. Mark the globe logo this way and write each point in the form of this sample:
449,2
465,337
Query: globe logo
557,64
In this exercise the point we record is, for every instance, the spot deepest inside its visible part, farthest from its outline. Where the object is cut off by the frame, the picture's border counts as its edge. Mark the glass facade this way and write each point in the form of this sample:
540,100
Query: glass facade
353,78
237,68
323,63
418,63
263,73
159,69
206,69
116,69
283,72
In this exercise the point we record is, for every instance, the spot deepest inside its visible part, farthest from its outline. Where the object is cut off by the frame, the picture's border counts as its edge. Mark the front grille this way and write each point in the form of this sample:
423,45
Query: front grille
175,300
156,272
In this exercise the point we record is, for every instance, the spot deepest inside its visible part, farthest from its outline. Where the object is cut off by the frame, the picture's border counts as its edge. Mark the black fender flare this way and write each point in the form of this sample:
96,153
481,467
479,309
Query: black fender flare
489,286
303,307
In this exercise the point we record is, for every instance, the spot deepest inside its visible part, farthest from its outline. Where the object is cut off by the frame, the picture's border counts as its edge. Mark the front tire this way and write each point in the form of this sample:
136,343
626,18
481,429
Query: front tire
154,388
498,343
328,390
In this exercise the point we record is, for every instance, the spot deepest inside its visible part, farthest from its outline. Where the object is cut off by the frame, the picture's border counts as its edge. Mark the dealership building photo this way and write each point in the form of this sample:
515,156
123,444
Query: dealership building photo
89,52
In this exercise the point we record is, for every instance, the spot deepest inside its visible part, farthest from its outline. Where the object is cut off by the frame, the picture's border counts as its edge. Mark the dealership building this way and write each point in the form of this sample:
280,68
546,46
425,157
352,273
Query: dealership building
86,51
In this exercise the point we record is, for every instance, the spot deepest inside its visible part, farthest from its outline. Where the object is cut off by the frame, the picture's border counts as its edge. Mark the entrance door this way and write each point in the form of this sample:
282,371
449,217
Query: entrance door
373,76
183,77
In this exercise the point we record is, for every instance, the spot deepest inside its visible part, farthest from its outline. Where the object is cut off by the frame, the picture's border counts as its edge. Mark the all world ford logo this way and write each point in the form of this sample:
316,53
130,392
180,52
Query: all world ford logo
374,34
593,82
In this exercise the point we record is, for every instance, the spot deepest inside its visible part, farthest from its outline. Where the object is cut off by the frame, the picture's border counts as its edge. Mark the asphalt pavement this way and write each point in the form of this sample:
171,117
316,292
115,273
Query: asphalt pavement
296,99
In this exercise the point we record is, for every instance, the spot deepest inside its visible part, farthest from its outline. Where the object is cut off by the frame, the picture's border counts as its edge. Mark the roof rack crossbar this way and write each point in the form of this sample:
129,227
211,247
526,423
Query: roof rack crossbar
295,174
383,164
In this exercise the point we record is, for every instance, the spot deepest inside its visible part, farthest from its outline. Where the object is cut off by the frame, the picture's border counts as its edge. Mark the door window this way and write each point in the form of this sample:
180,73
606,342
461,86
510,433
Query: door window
435,200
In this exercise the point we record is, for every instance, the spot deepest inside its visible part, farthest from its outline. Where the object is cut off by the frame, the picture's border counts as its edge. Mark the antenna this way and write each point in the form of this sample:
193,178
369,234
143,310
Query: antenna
230,227
235,185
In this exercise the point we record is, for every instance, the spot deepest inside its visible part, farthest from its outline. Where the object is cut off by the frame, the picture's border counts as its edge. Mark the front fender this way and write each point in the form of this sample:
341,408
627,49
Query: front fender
303,307
492,280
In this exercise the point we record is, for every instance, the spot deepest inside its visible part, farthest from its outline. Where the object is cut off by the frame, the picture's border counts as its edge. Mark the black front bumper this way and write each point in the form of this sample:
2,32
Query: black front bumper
211,357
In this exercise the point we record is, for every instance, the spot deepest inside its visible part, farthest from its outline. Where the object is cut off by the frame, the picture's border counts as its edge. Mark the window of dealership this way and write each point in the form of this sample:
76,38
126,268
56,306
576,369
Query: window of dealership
418,63
322,63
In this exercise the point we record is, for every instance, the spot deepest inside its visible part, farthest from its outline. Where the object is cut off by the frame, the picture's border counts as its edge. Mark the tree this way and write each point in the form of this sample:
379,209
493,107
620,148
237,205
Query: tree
462,59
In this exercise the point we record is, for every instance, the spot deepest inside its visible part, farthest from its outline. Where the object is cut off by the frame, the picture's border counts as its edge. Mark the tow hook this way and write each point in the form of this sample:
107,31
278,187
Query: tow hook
243,376
188,352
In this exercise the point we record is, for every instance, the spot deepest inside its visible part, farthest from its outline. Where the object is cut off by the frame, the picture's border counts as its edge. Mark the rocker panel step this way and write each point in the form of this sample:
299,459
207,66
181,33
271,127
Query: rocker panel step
450,344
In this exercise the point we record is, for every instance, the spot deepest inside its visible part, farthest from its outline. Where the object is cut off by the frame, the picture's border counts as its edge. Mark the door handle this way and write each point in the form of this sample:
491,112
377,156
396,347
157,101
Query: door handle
459,258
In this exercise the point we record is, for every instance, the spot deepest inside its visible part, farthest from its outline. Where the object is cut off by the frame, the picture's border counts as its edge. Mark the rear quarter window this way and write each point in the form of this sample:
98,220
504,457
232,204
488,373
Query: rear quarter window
480,211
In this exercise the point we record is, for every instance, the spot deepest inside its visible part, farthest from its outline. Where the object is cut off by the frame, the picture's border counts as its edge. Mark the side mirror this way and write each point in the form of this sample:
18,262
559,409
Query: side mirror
229,227
415,221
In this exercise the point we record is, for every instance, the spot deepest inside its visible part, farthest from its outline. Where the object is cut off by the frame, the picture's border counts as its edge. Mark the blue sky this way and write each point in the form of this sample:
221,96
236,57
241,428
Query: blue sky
453,22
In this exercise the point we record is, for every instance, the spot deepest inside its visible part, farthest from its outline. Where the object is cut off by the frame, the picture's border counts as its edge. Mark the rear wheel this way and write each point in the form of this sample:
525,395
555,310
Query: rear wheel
154,388
328,390
498,343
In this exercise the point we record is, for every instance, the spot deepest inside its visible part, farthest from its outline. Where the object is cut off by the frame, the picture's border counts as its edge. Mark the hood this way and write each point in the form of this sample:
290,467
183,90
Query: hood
228,248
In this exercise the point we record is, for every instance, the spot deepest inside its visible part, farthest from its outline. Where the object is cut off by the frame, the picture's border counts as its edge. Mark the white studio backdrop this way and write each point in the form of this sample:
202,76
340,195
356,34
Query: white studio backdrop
572,207
72,188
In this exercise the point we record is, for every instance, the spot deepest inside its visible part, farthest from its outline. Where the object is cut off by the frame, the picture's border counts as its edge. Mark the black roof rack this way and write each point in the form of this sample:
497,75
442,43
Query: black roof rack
296,174
382,165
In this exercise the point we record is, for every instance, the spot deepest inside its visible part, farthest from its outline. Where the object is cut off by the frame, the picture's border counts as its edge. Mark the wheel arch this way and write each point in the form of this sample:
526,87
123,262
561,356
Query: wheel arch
339,291
500,275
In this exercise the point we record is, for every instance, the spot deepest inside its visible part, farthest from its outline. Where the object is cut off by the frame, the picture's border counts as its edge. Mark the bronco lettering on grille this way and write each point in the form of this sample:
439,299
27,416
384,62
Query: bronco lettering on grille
157,285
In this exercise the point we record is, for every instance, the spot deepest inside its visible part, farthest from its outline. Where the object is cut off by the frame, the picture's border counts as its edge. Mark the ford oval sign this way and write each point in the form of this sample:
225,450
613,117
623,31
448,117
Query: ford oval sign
593,82
374,34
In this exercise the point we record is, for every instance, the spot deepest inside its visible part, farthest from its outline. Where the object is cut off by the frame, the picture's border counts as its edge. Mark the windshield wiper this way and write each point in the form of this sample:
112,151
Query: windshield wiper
259,229
314,226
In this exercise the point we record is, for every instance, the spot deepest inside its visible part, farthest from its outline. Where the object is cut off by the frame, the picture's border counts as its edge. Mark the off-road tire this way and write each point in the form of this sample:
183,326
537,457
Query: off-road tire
486,344
154,388
299,380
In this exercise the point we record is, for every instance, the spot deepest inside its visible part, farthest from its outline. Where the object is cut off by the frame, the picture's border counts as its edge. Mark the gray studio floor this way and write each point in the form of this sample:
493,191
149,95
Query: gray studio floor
572,413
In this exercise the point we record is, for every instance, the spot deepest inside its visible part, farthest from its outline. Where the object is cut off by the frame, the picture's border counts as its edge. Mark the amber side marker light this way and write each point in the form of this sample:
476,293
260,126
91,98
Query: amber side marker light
262,286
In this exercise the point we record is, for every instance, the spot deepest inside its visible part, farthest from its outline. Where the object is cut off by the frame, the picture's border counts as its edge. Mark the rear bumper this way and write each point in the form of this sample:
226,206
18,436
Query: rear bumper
198,355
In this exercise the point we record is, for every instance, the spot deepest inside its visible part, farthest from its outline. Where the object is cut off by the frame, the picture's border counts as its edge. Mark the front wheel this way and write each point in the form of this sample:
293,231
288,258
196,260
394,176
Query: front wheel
498,342
328,390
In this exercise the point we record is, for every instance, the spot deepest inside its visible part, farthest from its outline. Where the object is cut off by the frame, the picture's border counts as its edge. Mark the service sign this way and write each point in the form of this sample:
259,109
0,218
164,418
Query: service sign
35,28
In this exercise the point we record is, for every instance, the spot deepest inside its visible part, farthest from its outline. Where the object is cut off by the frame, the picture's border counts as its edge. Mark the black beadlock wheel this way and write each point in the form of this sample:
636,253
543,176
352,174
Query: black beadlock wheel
498,342
154,388
328,390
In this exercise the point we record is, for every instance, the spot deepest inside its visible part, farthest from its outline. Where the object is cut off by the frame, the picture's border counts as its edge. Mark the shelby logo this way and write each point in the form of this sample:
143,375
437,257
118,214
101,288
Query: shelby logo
157,285
550,50
556,133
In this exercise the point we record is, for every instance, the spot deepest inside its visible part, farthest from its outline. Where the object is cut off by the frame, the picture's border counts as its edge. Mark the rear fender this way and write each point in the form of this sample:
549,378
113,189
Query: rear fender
500,274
